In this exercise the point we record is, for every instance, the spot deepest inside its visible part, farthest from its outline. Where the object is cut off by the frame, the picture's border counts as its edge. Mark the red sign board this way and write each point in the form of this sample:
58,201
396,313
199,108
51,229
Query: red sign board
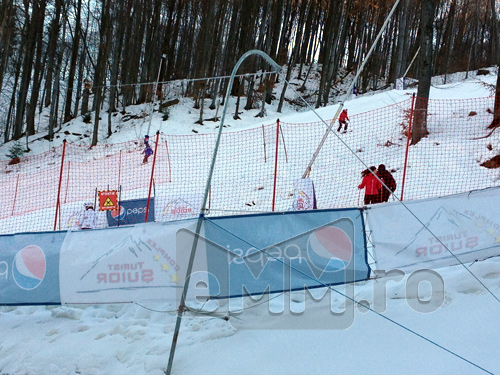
108,200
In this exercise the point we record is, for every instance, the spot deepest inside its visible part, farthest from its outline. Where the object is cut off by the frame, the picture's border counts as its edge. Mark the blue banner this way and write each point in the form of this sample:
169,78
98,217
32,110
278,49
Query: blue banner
254,254
29,268
131,211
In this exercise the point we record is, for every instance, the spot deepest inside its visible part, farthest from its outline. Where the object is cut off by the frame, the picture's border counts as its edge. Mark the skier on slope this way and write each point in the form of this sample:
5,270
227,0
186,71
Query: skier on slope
148,151
343,118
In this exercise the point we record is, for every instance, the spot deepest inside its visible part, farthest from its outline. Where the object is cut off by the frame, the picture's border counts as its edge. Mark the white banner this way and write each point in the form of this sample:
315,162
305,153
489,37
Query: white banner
464,226
126,264
304,197
170,208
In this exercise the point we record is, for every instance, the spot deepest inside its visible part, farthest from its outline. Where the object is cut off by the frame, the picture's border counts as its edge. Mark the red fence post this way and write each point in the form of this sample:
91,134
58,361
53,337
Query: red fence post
276,161
152,176
407,145
58,202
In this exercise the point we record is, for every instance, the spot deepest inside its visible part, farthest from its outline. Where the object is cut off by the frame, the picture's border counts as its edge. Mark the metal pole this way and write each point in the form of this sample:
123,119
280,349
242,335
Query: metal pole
180,310
411,63
153,101
58,202
276,161
349,90
152,176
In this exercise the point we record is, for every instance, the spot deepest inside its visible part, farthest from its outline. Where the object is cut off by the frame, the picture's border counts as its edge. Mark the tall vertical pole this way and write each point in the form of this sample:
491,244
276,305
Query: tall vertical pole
119,168
407,146
58,202
276,161
169,164
153,99
181,309
152,176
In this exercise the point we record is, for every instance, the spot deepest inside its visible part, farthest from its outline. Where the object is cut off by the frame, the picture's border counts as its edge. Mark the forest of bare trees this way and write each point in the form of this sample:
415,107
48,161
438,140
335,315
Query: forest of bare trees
60,54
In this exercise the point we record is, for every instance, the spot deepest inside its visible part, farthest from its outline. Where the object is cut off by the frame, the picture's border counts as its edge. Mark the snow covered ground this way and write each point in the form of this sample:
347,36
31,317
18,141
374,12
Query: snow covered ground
460,337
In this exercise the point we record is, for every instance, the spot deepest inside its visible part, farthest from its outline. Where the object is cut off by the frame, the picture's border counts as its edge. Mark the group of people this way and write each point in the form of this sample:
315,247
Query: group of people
375,192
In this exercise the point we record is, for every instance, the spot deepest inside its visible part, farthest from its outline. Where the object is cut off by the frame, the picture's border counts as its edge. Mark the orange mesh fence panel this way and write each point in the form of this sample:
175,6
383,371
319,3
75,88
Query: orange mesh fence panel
452,125
256,168
375,137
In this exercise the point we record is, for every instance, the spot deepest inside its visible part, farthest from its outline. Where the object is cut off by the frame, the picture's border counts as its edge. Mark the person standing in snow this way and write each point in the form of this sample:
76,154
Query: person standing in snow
388,179
88,219
371,184
148,151
343,118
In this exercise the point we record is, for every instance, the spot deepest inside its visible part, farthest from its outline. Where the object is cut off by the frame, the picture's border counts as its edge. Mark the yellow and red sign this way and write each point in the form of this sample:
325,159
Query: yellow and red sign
108,200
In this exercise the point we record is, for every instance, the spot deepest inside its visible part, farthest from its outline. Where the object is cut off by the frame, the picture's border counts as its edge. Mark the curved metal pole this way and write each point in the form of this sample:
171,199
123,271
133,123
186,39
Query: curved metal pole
181,309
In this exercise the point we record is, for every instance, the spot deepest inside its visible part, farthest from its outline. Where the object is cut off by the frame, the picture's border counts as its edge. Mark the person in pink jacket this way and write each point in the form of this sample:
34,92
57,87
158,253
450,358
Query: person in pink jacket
371,185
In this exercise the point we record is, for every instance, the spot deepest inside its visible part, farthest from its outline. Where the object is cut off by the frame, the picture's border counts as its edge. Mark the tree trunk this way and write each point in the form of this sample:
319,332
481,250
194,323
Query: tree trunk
100,73
496,40
72,67
7,26
29,42
39,20
401,59
51,51
425,70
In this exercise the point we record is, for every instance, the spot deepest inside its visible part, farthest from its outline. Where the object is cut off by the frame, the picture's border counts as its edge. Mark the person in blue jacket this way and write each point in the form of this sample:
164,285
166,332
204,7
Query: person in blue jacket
148,151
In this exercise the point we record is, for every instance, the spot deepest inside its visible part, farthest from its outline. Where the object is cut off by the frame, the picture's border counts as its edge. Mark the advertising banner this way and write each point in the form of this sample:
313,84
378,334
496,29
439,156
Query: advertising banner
171,208
235,256
131,211
29,268
304,196
254,254
449,230
129,264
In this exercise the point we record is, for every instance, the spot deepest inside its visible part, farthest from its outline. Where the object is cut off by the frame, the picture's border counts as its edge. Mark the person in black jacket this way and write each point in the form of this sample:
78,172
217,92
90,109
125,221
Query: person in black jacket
388,180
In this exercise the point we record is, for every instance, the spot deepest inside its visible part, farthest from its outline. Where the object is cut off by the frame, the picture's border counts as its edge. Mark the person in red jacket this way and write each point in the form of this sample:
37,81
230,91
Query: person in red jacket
343,118
372,186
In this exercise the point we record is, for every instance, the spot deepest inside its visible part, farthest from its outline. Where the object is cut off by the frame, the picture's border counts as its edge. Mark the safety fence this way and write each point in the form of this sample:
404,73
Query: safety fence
256,168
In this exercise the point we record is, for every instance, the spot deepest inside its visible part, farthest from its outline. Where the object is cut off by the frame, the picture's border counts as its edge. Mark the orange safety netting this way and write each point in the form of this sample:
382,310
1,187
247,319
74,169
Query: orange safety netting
255,169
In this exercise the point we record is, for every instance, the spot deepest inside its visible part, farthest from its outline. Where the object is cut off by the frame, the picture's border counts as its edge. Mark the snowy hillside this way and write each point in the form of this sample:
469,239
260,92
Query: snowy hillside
458,338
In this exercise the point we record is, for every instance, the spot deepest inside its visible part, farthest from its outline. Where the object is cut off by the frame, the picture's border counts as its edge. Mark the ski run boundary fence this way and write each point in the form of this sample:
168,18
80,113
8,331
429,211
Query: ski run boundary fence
255,169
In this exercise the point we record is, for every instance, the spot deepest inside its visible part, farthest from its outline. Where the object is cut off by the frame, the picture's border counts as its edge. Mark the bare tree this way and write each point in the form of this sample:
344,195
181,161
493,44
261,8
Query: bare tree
496,43
72,67
425,70
105,32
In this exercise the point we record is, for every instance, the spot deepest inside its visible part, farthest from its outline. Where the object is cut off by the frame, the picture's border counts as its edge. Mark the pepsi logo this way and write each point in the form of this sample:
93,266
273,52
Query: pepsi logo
329,248
118,214
28,269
